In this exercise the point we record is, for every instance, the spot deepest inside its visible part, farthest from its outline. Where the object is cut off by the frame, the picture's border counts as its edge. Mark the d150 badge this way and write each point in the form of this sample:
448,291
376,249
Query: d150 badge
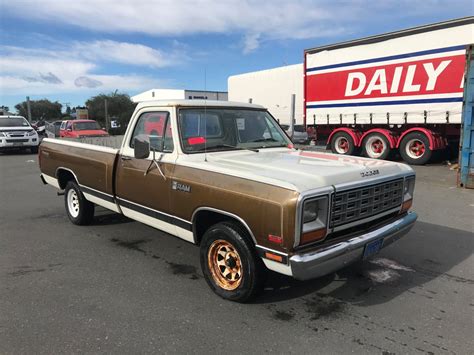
370,173
180,187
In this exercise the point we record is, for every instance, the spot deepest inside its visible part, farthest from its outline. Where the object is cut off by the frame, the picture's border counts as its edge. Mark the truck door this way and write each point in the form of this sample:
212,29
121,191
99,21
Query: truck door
143,189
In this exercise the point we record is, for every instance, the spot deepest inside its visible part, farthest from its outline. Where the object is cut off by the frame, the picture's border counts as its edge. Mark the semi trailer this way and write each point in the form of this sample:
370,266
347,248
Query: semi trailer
400,91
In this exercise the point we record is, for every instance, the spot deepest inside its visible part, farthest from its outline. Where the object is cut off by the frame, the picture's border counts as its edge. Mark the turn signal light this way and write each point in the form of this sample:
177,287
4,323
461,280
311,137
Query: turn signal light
312,236
274,257
406,205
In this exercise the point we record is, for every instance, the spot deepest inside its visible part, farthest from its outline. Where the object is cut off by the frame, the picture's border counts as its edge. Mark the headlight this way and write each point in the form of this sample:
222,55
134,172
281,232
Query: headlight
310,211
408,188
314,219
31,133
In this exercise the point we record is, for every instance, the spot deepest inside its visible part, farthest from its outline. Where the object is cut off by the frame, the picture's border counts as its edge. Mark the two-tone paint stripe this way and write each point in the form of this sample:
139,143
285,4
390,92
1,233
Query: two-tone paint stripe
164,217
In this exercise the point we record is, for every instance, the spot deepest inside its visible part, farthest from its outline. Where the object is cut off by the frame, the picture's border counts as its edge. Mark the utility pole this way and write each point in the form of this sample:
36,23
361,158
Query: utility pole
28,108
292,122
106,116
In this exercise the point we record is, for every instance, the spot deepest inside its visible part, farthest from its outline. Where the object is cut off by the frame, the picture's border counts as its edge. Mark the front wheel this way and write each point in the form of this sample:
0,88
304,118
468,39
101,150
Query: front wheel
230,264
79,210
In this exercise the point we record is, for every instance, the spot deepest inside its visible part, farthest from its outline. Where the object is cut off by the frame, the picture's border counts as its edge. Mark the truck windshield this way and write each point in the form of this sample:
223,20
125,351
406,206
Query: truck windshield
215,129
13,122
86,126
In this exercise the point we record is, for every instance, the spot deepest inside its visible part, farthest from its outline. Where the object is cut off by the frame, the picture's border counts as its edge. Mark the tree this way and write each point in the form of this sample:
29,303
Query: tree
40,109
118,105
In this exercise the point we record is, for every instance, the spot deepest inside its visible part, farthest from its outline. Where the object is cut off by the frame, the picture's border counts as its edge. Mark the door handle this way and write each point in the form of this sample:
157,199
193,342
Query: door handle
125,157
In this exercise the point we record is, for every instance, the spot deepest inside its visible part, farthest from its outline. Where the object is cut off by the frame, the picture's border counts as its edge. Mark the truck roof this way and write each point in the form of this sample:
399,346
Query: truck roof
389,35
198,103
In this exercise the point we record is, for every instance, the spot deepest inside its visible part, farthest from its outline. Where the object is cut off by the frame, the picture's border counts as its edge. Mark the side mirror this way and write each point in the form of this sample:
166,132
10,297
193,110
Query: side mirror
69,129
141,148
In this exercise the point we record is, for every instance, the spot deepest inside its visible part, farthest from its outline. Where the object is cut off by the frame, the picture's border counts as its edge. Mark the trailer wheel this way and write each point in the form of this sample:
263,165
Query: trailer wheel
79,210
230,264
376,146
342,143
415,148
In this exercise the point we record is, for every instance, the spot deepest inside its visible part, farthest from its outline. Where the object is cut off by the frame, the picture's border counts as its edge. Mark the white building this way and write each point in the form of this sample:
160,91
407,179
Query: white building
178,94
272,89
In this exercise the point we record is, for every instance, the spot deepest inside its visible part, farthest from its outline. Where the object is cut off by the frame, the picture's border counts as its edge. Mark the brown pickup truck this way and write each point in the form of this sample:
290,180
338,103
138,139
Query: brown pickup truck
226,177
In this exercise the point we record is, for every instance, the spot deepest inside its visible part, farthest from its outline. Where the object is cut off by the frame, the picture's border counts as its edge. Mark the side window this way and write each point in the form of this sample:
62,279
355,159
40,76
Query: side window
152,125
63,125
69,125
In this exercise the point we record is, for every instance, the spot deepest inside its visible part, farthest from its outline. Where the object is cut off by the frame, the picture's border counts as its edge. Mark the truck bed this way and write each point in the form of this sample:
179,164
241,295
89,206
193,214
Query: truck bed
92,164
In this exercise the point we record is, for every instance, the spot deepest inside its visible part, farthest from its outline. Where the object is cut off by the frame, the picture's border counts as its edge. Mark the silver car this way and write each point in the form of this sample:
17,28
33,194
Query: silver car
300,136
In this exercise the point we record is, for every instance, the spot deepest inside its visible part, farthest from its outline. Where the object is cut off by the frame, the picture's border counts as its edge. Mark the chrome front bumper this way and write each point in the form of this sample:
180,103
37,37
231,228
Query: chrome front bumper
327,260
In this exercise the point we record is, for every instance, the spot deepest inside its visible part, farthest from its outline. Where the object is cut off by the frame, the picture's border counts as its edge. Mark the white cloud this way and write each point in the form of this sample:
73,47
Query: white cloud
251,43
126,53
48,71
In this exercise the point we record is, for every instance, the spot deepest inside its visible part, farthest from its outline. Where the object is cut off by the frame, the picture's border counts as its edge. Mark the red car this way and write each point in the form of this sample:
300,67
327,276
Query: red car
81,128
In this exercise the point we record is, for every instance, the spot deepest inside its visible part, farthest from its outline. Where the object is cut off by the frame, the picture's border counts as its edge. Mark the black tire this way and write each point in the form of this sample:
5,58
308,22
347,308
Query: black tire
34,150
345,137
409,155
83,213
252,269
370,153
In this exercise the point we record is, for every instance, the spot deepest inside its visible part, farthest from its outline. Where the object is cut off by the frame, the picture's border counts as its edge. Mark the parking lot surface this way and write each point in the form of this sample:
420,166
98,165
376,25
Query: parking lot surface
120,286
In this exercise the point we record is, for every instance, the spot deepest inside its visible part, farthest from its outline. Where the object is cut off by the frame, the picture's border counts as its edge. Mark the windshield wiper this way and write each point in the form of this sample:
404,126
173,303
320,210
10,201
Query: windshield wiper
264,140
233,147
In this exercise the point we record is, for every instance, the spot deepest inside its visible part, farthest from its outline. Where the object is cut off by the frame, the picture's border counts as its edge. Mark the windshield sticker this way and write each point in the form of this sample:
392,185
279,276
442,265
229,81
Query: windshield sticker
240,124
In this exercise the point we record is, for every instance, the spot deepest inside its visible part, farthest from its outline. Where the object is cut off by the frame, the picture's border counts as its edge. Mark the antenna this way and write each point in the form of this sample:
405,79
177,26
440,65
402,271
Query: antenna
205,115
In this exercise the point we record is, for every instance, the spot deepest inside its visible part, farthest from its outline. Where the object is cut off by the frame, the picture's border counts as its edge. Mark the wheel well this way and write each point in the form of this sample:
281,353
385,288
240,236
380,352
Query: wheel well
204,219
63,177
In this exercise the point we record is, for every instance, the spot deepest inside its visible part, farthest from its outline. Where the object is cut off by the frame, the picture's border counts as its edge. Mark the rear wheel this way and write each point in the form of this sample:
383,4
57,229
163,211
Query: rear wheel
415,148
342,143
79,210
230,264
376,146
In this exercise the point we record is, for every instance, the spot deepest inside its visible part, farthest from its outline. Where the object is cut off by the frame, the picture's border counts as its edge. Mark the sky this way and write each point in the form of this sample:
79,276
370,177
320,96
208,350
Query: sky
68,51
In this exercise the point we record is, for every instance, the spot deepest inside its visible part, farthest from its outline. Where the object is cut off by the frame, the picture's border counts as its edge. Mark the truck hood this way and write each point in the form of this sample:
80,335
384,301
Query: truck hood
302,170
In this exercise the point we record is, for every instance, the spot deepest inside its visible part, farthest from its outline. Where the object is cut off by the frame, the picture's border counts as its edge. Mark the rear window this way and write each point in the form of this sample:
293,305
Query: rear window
86,126
13,122
299,128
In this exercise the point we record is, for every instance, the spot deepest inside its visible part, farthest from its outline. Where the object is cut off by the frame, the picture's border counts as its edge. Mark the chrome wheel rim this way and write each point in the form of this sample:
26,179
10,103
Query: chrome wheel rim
225,265
73,203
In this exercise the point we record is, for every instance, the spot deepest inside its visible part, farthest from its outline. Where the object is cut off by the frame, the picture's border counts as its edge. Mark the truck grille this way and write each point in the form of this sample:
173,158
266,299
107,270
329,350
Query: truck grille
367,201
17,140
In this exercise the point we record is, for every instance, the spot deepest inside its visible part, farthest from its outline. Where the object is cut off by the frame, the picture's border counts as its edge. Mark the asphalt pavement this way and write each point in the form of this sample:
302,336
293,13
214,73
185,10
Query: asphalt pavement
119,286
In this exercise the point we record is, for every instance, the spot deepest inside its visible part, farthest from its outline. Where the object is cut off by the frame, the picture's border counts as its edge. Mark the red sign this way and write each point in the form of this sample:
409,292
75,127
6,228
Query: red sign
421,77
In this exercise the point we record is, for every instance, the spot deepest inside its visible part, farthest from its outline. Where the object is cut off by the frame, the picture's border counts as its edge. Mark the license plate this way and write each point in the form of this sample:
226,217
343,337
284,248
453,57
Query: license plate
372,248
17,144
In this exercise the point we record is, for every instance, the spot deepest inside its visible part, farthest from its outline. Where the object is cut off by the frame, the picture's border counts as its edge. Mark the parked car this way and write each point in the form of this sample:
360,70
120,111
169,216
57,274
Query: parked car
52,129
81,129
300,135
17,133
224,176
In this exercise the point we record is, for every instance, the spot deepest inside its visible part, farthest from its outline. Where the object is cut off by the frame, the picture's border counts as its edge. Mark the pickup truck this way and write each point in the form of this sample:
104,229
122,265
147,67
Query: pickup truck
226,177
